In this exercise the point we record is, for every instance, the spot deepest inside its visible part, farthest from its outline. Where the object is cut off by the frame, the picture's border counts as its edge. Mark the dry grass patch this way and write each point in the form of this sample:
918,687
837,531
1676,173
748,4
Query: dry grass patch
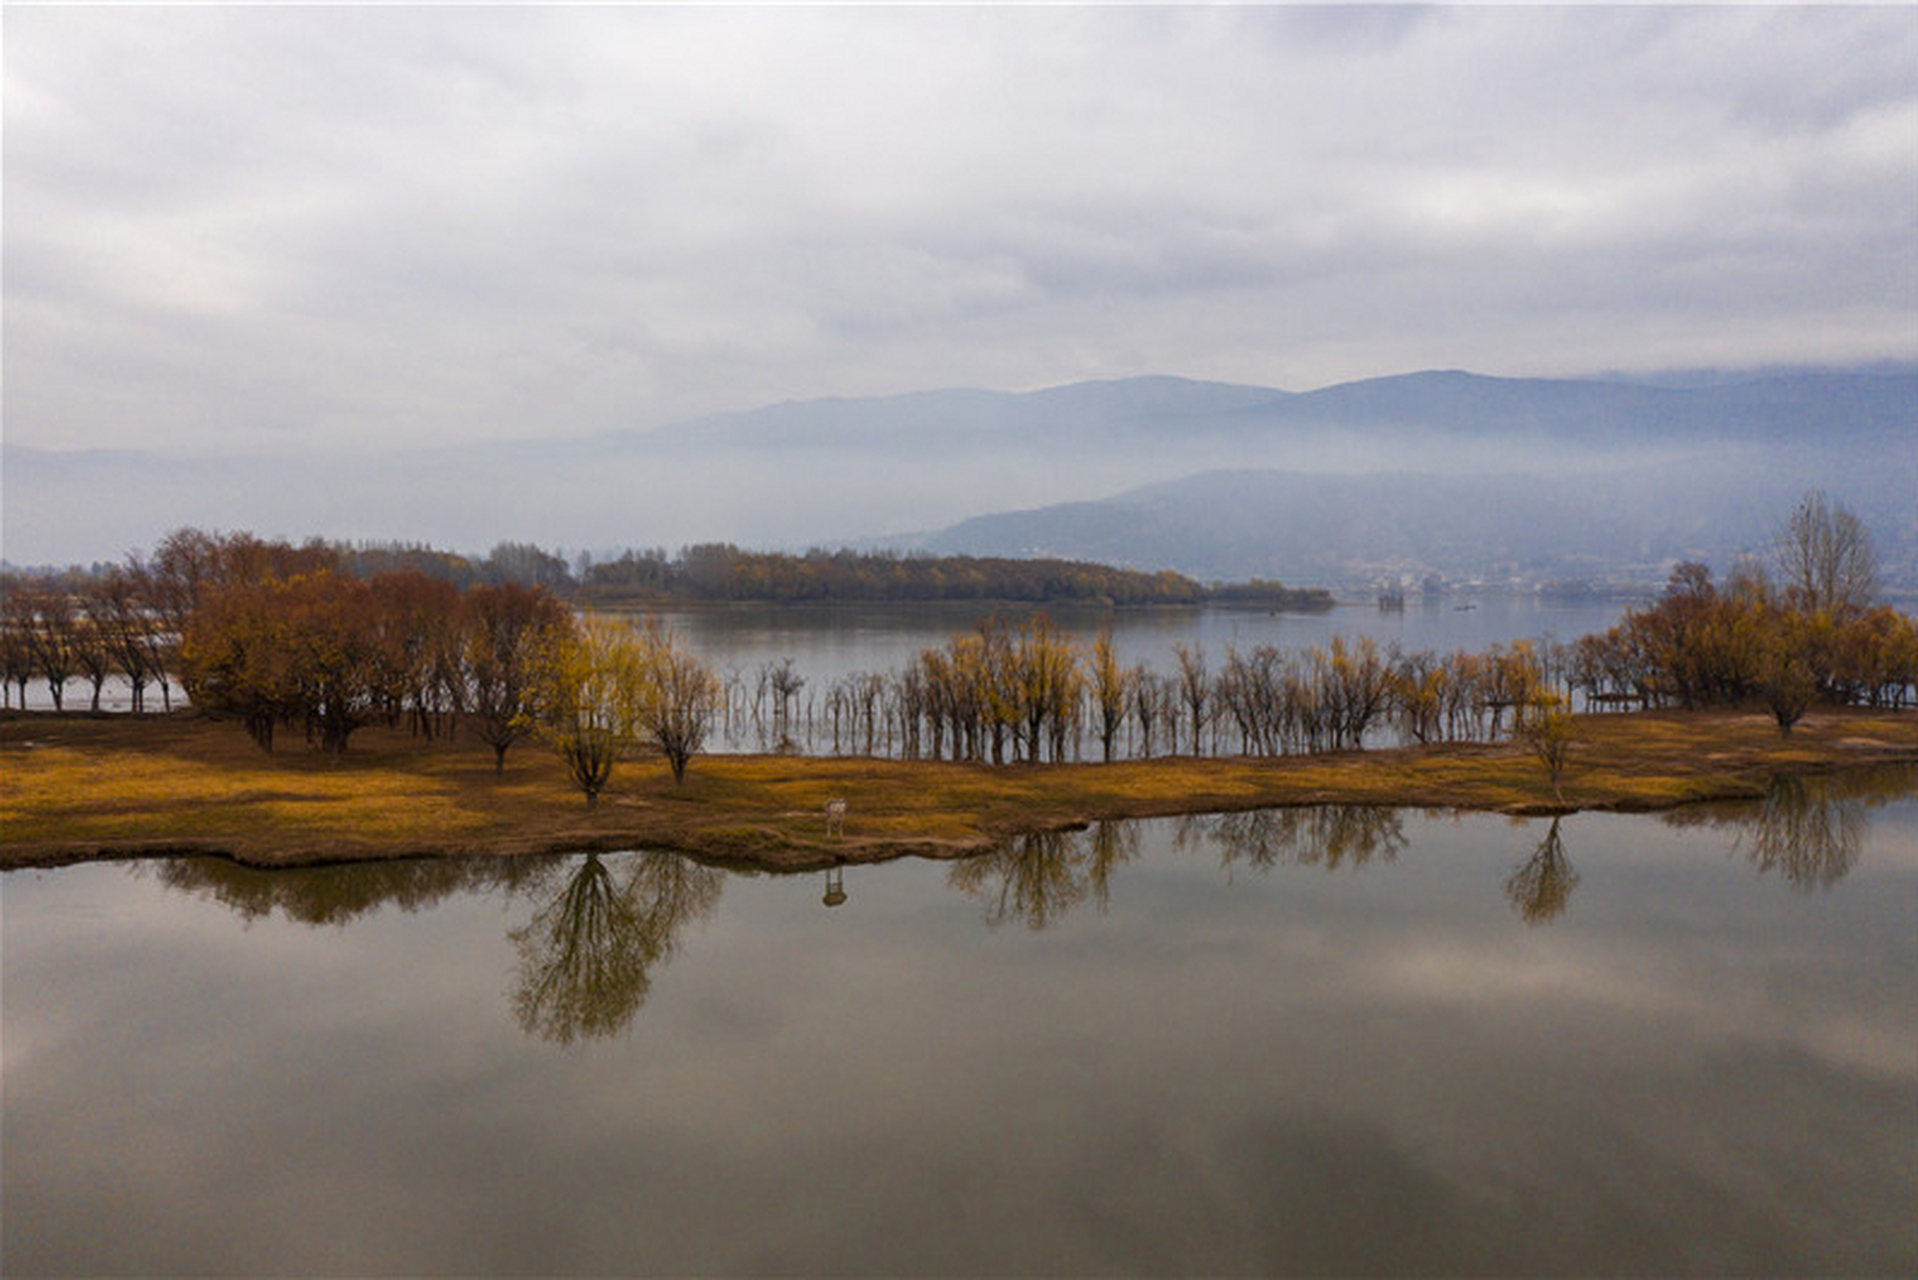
78,786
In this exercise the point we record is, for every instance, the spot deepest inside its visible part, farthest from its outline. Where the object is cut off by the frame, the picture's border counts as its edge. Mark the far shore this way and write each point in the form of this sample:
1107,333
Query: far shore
80,787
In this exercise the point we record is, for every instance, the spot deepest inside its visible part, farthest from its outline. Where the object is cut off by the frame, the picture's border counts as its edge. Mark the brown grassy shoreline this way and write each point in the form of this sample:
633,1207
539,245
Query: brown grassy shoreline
75,788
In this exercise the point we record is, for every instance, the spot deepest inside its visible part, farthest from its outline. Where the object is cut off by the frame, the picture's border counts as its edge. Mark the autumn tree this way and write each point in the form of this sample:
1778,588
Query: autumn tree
1111,692
503,633
1044,681
1545,725
1194,690
94,652
236,657
1784,671
588,698
420,616
679,696
348,657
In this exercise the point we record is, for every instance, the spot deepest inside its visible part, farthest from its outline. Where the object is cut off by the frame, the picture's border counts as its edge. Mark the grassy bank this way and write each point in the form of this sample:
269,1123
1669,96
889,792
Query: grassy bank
76,787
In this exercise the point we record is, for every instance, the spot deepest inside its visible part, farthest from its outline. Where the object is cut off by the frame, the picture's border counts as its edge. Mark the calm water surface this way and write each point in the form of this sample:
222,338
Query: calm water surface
829,641
1324,1040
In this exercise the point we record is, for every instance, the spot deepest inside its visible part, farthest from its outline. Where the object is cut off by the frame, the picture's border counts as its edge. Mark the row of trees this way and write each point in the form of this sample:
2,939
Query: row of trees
102,631
1703,646
1814,632
721,571
713,571
278,635
1029,692
335,653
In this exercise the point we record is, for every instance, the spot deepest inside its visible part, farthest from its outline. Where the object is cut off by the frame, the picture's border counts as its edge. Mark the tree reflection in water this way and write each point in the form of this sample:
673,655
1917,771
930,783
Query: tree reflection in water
1808,829
1041,876
335,894
1804,832
1541,887
586,957
1327,835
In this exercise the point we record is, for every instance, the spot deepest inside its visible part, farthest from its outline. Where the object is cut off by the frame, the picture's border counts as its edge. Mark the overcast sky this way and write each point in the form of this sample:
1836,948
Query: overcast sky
329,228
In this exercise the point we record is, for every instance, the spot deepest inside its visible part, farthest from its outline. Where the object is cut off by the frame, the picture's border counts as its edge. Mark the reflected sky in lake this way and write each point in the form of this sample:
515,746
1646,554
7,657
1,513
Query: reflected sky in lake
1327,1040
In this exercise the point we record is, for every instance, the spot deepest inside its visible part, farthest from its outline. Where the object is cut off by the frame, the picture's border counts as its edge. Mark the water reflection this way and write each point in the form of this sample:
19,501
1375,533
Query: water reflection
337,894
1805,833
602,925
1040,877
586,957
1729,1044
1541,888
1331,835
1809,829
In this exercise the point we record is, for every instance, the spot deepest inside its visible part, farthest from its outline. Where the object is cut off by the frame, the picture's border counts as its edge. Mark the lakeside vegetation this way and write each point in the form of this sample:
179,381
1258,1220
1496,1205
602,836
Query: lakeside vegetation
712,572
281,639
81,787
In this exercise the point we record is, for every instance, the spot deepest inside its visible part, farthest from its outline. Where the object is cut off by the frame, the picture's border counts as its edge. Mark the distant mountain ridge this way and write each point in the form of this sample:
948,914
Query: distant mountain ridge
1769,408
1620,528
828,472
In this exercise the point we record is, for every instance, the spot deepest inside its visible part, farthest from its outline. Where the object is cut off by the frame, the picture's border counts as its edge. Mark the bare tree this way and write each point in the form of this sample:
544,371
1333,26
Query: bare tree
679,696
1195,690
1826,557
52,631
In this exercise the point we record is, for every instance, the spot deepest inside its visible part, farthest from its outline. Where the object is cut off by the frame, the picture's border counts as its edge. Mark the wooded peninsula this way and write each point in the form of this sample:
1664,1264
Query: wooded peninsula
1012,726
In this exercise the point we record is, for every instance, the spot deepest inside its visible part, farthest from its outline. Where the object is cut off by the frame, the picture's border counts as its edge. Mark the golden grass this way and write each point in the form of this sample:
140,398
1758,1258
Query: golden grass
77,787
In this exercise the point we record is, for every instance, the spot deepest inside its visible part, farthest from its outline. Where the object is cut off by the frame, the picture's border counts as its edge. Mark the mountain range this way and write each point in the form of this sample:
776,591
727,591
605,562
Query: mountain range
1446,472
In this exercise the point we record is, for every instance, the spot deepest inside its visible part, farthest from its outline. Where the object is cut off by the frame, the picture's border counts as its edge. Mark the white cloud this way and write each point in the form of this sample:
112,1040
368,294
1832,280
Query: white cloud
260,226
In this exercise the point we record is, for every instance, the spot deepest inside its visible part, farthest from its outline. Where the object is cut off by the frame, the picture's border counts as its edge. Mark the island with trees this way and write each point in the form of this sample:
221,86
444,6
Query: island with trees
351,704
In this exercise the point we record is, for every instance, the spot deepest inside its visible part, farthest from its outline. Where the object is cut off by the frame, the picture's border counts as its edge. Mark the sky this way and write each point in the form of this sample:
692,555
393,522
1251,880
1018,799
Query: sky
328,229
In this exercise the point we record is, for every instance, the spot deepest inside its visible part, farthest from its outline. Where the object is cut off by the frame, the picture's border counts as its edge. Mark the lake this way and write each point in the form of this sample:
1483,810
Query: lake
826,642
1336,1040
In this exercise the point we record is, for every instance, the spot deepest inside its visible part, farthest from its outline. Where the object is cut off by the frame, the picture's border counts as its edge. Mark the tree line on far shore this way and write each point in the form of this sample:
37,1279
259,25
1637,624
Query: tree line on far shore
278,636
722,572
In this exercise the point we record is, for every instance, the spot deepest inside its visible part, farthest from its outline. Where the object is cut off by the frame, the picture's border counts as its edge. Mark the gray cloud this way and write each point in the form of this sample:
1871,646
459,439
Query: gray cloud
261,228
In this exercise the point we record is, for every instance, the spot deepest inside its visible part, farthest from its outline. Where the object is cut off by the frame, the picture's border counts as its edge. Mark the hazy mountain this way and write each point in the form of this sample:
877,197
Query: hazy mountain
828,471
1621,526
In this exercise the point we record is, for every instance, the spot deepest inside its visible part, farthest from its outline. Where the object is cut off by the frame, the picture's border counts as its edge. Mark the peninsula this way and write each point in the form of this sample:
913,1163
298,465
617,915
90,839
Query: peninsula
77,787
